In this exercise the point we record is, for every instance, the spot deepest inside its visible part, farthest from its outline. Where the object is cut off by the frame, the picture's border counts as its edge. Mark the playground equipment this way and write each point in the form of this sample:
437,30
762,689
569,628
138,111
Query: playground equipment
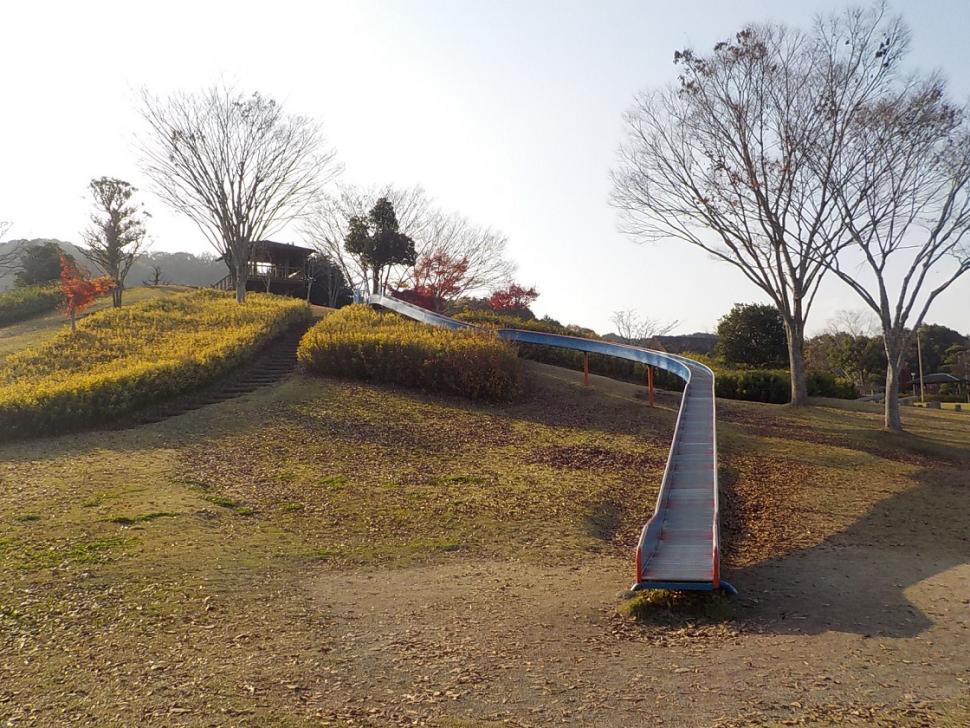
679,547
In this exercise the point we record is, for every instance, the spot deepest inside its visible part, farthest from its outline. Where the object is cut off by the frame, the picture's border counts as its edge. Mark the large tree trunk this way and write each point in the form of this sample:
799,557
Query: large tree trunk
795,333
894,359
242,274
116,296
376,281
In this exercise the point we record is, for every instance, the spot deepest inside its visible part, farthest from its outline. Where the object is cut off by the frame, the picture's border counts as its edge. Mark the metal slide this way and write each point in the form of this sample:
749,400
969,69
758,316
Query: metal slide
679,547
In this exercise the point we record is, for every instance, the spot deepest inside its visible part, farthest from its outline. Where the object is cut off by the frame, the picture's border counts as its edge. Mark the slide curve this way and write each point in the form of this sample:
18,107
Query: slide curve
679,547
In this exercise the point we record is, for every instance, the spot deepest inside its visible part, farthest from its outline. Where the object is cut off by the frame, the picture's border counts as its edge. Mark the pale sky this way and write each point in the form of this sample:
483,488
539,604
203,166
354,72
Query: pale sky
509,112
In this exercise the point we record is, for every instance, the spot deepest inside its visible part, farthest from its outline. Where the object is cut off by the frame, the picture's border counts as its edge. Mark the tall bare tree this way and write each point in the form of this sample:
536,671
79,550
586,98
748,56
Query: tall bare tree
480,249
736,158
237,165
854,322
157,278
905,198
117,232
433,230
9,259
631,326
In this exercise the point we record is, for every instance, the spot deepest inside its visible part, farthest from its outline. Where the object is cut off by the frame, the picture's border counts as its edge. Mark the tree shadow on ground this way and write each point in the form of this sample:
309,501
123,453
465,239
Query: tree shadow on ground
856,580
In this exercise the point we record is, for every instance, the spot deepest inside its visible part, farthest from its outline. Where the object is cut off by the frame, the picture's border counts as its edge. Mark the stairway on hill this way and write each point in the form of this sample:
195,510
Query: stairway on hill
271,365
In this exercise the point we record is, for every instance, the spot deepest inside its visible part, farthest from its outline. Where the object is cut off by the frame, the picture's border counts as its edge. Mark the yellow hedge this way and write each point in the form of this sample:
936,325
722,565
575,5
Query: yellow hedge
360,343
22,303
123,358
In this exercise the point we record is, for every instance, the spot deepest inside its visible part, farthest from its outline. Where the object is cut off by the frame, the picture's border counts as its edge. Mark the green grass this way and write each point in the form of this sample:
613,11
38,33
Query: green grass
662,606
33,557
142,518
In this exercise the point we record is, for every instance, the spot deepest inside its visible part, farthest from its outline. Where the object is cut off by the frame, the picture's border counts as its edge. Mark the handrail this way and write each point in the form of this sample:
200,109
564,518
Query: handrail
653,569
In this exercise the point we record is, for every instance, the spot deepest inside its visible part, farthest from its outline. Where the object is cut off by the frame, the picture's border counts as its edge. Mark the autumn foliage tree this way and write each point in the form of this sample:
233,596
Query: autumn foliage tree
513,298
438,278
79,290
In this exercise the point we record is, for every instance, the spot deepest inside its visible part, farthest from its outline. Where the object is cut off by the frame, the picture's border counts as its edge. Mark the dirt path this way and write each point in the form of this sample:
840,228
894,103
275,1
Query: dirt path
539,646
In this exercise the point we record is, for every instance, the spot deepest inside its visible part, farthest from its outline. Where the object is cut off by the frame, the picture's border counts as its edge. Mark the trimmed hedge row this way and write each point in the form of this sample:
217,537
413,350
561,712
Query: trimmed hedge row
22,303
756,385
360,343
607,366
772,385
122,359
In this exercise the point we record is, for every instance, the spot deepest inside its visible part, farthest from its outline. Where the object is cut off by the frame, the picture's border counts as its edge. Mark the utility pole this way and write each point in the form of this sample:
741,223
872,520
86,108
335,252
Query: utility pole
919,355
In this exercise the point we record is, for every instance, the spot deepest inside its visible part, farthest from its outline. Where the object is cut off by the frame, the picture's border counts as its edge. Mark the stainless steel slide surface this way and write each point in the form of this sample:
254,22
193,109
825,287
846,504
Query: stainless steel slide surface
679,547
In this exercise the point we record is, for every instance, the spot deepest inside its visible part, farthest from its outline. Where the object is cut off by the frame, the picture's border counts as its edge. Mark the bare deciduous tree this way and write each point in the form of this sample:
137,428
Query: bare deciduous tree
327,225
853,322
9,259
157,279
117,232
433,231
237,165
737,157
481,250
905,197
631,326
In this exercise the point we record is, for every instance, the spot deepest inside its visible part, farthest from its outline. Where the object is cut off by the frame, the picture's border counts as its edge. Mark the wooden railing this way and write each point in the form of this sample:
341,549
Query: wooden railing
227,284
224,284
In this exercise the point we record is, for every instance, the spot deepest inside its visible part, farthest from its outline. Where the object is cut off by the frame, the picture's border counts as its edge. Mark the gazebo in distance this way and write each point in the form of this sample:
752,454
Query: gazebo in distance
274,268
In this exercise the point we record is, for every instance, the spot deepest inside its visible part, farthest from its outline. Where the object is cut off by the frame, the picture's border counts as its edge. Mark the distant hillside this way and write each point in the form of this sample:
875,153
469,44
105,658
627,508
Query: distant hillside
181,268
699,343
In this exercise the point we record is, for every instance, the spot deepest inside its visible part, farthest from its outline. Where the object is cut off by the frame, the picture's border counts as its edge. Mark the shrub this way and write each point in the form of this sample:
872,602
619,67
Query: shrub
22,303
771,385
360,343
822,384
607,366
754,385
124,358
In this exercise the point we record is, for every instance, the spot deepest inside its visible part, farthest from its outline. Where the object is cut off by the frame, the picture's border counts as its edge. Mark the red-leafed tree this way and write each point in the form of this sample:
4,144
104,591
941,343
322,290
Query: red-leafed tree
79,290
418,296
514,298
438,278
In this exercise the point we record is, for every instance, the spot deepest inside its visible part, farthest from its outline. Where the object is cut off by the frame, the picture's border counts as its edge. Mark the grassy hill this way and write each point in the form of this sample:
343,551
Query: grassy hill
40,329
122,359
326,552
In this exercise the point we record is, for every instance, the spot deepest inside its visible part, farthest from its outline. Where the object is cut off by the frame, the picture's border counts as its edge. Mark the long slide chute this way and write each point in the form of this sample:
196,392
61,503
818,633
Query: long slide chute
679,547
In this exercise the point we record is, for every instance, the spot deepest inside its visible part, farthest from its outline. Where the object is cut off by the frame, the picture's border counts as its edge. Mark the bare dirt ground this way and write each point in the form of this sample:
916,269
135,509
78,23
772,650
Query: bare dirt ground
320,553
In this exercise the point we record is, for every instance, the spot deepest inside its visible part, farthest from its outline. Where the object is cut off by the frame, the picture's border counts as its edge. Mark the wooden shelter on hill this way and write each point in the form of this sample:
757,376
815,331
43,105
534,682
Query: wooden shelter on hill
274,268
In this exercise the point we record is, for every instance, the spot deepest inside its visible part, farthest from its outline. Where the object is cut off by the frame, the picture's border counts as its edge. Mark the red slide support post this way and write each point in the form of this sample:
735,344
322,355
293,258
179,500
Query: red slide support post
650,391
586,368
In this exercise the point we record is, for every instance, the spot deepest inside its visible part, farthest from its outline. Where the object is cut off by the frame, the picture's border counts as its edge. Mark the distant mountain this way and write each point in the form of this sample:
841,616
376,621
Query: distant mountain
183,268
699,343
